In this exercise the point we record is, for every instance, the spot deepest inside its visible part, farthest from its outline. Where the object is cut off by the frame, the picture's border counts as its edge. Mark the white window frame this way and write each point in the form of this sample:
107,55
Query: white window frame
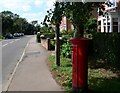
113,6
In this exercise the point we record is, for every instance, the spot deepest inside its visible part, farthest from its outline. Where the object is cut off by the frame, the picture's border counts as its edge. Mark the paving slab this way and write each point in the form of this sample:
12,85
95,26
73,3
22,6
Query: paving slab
33,73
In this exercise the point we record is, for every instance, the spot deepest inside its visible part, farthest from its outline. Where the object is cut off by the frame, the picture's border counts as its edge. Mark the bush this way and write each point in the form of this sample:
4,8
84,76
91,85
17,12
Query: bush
1,37
107,48
66,49
48,35
91,25
67,34
38,37
52,44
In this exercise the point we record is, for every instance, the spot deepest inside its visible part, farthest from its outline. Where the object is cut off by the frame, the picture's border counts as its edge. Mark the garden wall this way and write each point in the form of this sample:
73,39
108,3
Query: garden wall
49,44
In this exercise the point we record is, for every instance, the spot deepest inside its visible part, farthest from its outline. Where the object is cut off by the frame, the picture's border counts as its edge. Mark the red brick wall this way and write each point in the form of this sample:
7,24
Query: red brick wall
118,4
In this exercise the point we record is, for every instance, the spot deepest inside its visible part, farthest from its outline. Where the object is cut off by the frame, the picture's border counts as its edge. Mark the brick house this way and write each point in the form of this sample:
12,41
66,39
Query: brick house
66,24
110,22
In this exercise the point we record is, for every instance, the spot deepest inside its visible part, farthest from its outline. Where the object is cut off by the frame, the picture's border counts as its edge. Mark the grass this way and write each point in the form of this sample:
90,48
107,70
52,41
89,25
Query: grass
63,73
100,80
103,81
1,37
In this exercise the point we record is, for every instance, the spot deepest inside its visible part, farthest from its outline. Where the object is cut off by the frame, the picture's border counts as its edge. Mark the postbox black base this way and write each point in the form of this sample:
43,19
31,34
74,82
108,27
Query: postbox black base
79,90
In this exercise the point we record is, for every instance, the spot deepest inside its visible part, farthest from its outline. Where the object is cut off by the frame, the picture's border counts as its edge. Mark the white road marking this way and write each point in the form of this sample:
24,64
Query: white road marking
17,39
5,45
10,42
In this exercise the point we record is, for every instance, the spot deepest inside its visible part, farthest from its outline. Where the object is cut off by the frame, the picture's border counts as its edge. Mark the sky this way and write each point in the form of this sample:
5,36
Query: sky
29,9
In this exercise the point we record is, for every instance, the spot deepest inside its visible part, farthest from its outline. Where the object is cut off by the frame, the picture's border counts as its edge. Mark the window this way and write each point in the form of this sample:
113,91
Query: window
112,6
115,24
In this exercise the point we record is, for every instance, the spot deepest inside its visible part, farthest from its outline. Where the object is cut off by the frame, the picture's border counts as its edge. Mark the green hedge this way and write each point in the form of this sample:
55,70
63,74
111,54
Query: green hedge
1,37
48,35
38,38
52,44
66,50
107,48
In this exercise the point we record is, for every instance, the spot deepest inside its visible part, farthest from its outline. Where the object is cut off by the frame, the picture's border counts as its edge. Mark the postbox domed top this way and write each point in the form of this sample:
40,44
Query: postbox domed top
78,41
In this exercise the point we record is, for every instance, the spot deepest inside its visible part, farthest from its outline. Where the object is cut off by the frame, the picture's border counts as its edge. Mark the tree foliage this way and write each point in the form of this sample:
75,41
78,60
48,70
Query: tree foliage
54,17
77,12
12,23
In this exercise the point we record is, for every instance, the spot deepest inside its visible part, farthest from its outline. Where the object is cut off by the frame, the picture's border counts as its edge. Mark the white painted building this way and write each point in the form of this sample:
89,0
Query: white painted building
111,21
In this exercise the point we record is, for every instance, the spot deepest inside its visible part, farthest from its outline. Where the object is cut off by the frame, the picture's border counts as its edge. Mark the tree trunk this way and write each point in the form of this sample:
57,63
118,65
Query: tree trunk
57,48
79,32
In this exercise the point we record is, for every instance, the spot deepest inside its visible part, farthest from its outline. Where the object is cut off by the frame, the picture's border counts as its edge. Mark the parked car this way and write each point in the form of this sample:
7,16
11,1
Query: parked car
21,34
9,36
16,34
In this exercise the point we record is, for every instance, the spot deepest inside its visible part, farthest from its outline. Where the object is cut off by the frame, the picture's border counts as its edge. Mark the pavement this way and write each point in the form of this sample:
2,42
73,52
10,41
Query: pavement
12,49
32,73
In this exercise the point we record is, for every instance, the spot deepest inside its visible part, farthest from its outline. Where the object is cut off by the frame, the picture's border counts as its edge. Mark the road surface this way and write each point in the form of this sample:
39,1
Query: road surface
12,50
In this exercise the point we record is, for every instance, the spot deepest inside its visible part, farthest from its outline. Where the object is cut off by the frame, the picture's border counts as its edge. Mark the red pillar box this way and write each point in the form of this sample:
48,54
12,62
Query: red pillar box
79,63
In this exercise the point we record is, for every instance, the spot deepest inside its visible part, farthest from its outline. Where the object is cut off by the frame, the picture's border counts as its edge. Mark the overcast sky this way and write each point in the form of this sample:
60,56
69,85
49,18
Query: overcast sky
29,9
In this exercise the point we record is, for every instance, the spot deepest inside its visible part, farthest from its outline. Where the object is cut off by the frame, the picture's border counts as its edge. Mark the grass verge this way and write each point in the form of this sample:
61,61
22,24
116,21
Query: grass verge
1,37
62,74
100,80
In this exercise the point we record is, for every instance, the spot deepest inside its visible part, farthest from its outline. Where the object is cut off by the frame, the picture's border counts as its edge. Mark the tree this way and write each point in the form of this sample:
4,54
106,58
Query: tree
36,26
7,21
12,23
55,17
34,22
19,25
79,13
91,25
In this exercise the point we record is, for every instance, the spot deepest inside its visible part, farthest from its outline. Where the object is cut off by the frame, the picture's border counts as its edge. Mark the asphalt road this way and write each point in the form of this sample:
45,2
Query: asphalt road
12,50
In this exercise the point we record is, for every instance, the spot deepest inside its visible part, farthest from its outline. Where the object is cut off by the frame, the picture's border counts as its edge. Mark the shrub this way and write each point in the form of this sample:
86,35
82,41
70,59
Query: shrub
66,49
1,37
107,48
91,25
48,35
67,34
52,44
